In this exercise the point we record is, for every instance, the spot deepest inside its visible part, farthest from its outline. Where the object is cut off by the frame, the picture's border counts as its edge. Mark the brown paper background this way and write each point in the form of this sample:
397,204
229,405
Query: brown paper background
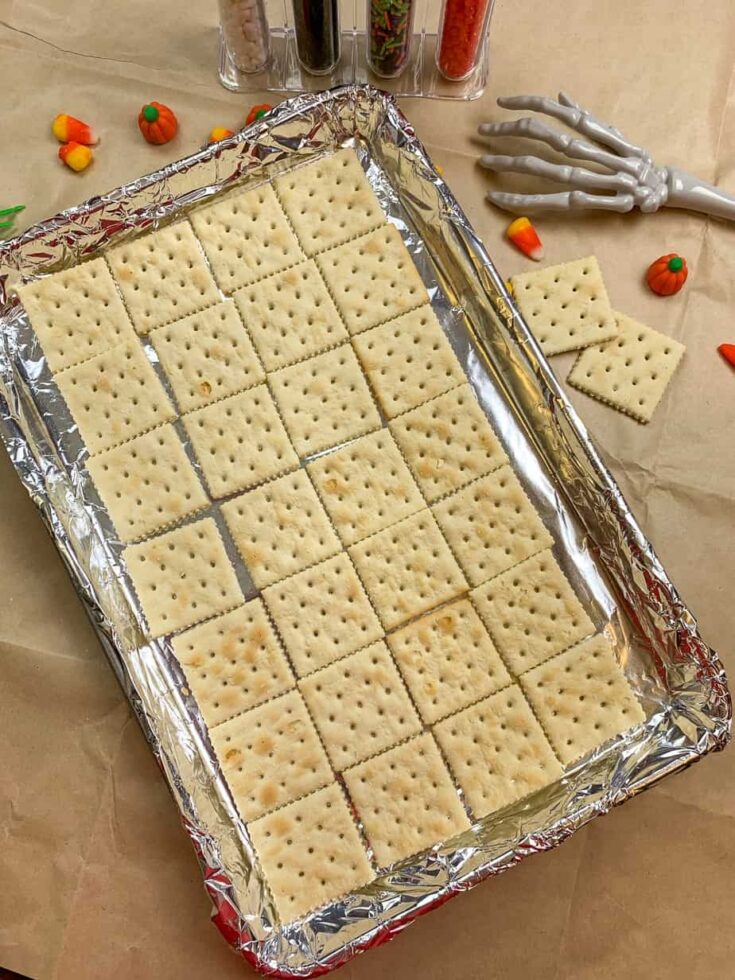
97,878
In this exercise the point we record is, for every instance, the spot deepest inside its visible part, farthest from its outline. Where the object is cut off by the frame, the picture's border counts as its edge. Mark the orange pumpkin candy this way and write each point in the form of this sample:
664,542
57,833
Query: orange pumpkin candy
667,274
257,112
157,123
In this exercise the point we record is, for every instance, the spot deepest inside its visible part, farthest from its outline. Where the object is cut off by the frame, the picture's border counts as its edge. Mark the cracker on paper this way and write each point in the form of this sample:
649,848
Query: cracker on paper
630,373
310,852
406,800
147,483
448,442
290,316
324,401
322,614
162,276
497,751
182,577
207,356
75,313
566,306
280,528
360,706
407,569
408,361
447,660
246,237
582,698
240,441
490,525
233,662
114,396
373,278
329,201
365,486
532,612
270,755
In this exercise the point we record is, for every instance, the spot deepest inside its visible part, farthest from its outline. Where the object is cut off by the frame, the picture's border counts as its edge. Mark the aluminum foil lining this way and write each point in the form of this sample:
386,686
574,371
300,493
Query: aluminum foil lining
679,680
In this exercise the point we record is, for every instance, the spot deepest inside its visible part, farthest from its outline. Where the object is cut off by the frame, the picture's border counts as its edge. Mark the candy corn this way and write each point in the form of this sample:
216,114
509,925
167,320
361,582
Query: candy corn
67,129
75,155
728,352
525,237
219,133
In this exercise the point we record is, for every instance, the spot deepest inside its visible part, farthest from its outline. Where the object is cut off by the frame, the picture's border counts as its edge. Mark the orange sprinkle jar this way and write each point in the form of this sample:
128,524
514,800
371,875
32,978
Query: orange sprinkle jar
462,32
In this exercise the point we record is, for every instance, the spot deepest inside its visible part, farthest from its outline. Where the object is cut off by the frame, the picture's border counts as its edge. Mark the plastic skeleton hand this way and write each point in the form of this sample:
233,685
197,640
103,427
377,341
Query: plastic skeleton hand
631,178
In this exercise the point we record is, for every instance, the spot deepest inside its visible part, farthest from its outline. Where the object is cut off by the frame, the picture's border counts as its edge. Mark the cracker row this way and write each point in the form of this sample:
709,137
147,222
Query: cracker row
329,201
271,755
448,660
207,356
497,751
240,441
322,614
114,396
162,276
532,612
280,528
360,706
147,483
372,279
76,313
582,698
406,800
490,525
183,577
310,852
365,486
233,662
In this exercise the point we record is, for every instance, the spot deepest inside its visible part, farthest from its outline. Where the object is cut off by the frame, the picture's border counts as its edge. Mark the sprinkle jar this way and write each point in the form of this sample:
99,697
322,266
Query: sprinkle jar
461,35
316,25
245,32
390,26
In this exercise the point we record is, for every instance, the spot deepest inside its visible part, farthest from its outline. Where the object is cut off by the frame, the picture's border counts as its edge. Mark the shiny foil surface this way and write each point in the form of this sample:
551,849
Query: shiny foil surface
678,679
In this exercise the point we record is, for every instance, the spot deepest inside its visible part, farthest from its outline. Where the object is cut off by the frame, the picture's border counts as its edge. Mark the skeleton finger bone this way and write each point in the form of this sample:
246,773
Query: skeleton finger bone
627,148
580,176
567,100
562,201
567,145
577,118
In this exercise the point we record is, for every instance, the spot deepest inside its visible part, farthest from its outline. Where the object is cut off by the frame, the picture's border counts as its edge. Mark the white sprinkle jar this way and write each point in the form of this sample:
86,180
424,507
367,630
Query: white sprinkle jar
245,31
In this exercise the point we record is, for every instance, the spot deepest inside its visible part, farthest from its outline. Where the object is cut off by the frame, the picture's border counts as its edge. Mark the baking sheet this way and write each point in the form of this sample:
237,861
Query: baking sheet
679,680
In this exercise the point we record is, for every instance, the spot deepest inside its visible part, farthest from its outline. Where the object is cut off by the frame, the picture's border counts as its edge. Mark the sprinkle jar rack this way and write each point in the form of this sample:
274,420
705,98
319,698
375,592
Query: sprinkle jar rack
284,72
